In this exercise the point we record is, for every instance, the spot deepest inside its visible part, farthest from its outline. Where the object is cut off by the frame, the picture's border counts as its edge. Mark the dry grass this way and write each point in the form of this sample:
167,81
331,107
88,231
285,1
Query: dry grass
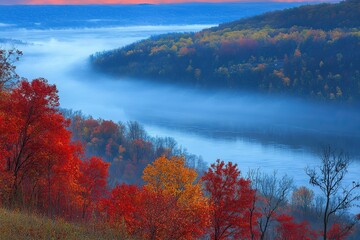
21,226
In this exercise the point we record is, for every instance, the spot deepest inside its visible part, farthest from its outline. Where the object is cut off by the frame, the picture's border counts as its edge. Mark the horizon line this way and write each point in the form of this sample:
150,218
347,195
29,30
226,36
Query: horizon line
175,2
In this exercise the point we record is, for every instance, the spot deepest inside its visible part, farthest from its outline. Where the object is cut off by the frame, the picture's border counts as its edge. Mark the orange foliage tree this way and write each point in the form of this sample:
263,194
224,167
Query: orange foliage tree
170,178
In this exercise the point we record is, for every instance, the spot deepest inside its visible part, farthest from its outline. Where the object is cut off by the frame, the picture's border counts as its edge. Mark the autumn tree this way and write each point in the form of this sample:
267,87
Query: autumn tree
93,182
36,153
170,206
329,177
288,229
143,213
170,178
230,197
7,75
53,186
38,144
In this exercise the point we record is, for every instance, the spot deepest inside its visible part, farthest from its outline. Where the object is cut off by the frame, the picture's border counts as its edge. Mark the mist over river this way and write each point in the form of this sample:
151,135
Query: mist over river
252,130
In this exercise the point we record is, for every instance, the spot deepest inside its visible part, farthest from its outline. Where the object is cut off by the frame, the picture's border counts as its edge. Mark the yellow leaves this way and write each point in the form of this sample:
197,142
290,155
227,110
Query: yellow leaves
171,176
134,51
187,41
158,49
174,48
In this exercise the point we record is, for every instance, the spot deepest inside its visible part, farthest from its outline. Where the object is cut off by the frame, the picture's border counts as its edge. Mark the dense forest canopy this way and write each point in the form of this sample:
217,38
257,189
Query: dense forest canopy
311,51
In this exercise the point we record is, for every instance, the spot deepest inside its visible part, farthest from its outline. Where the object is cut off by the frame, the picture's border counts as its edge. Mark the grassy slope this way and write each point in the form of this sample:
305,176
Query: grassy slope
17,225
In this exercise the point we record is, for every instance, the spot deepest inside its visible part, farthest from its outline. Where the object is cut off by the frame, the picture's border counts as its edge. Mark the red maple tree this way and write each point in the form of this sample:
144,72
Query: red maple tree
230,197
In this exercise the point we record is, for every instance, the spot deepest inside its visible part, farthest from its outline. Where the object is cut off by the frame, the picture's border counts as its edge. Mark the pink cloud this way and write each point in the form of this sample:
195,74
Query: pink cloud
147,1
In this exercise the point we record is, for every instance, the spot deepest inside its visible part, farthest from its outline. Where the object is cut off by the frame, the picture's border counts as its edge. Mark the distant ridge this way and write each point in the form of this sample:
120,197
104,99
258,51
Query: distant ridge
310,51
311,16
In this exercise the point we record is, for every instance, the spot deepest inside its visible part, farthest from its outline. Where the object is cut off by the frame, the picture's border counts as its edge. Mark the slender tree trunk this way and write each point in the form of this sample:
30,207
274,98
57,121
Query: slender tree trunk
252,209
84,210
326,218
262,237
14,192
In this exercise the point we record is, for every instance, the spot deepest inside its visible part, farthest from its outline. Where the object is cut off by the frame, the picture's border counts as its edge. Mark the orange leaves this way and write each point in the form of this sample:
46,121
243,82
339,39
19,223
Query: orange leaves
169,175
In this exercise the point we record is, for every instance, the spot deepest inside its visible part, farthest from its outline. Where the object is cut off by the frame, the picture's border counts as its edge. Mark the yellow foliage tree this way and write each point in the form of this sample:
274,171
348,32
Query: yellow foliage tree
171,177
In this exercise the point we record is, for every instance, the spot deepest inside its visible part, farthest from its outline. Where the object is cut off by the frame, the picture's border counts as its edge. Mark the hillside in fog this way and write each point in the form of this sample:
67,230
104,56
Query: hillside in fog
310,51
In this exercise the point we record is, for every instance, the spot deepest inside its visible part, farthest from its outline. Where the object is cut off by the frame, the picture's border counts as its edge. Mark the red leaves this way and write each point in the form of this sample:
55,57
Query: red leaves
37,136
290,230
41,165
339,231
149,214
230,198
170,206
93,182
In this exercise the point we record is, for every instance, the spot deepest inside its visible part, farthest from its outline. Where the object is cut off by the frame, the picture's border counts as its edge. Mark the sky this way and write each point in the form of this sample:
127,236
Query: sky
140,1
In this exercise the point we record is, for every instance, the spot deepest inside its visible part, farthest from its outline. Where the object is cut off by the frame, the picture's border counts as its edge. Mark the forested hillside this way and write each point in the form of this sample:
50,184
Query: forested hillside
311,51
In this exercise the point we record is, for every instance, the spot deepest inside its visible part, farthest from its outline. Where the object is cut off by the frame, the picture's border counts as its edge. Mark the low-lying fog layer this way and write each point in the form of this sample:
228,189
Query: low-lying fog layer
254,131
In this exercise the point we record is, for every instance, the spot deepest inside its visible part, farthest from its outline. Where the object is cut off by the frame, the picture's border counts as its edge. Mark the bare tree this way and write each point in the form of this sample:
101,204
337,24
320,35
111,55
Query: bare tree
7,67
329,178
136,131
254,176
274,192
